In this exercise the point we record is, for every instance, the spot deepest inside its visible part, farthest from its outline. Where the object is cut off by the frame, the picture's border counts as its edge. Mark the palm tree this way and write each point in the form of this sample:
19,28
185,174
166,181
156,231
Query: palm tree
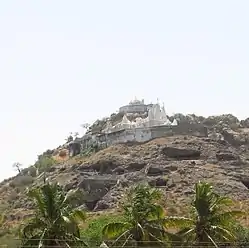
55,223
141,216
211,222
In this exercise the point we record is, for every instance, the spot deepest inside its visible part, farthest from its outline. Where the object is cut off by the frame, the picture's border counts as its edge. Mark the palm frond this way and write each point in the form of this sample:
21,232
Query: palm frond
176,222
35,194
32,227
78,215
227,216
220,202
114,229
155,211
211,239
226,234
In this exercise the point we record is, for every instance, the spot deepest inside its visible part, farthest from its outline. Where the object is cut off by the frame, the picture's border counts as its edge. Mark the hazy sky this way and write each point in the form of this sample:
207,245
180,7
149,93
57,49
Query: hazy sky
63,63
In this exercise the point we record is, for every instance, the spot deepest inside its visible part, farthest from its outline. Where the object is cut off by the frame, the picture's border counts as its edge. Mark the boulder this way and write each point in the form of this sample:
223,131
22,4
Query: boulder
119,170
226,156
98,182
155,171
245,181
95,188
135,166
234,138
74,148
181,153
158,182
104,166
101,205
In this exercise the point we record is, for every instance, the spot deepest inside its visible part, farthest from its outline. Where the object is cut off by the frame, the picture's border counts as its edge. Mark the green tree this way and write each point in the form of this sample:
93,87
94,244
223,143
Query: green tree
141,219
55,223
44,163
212,221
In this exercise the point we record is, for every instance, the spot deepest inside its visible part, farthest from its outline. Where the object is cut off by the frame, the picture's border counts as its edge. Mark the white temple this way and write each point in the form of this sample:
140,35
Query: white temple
156,117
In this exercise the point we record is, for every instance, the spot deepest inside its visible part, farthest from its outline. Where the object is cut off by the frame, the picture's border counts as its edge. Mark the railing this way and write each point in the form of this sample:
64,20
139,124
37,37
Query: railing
109,244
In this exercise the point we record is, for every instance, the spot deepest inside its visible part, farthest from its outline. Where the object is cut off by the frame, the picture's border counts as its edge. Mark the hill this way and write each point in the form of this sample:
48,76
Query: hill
173,163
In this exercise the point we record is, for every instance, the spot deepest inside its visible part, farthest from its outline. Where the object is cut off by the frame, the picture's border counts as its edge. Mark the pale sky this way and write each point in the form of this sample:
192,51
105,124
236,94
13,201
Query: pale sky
63,63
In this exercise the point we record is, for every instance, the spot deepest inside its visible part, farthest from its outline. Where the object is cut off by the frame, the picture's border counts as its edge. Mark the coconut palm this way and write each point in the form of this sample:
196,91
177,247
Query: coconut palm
211,223
55,223
141,215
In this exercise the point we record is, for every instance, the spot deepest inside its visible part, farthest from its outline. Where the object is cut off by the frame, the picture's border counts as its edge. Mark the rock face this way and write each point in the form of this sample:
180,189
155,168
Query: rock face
181,153
173,163
95,188
226,156
74,148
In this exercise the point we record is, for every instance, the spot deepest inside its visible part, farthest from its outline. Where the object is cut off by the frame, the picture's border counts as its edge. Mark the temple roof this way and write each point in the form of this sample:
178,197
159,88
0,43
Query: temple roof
136,101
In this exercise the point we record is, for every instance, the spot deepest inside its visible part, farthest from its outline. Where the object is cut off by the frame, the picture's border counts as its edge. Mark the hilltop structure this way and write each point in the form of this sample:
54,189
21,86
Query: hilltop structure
156,116
139,122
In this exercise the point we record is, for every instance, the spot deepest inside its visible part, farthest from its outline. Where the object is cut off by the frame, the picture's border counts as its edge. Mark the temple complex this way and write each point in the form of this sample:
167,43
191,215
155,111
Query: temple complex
136,122
156,116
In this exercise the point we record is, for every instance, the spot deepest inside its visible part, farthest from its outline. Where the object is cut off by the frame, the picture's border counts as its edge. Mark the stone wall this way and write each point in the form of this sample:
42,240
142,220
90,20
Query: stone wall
182,129
133,108
121,136
145,134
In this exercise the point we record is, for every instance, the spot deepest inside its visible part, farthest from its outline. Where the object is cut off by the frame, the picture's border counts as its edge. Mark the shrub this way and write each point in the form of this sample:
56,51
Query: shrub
242,234
44,162
93,233
32,171
21,180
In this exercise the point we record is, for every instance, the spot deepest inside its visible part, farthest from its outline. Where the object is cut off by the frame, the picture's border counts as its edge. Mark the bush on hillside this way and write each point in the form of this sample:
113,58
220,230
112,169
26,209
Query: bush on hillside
31,171
44,162
21,180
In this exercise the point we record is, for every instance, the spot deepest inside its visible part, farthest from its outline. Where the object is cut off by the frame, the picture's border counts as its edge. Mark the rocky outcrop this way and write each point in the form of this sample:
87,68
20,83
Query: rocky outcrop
181,153
173,164
95,188
226,156
245,123
74,148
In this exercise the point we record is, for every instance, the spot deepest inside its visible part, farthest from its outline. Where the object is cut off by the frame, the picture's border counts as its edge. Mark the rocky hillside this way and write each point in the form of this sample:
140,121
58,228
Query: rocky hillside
173,163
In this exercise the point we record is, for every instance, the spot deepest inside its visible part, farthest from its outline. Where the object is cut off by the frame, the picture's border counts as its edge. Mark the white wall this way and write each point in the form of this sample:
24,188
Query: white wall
138,134
143,134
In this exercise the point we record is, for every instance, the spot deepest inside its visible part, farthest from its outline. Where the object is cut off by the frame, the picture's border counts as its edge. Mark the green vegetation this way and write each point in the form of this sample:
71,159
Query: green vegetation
142,219
210,222
44,162
141,223
93,233
55,223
